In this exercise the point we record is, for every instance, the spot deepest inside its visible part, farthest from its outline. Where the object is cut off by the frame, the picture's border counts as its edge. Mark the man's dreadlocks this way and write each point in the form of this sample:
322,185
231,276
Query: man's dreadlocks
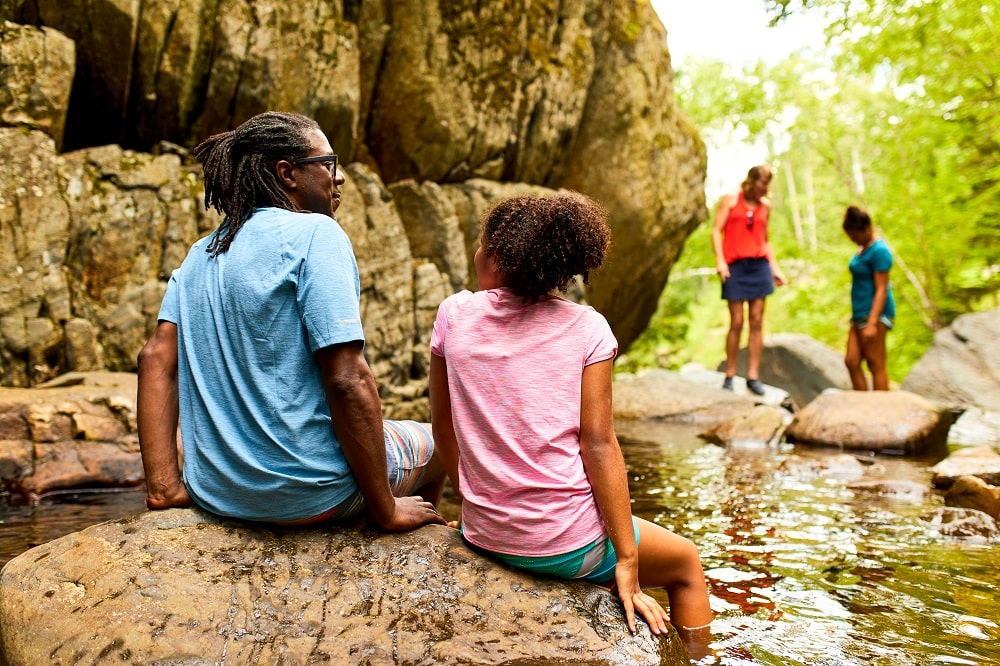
239,168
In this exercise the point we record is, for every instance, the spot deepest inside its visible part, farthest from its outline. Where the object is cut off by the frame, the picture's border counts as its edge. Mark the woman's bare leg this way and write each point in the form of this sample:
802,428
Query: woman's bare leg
874,353
755,341
733,337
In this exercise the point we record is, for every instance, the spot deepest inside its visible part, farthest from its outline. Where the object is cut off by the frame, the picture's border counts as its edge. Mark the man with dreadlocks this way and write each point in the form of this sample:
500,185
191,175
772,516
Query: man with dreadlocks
258,353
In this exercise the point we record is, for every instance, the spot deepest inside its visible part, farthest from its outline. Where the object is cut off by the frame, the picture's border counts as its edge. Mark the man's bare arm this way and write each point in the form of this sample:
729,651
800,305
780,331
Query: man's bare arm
157,410
357,420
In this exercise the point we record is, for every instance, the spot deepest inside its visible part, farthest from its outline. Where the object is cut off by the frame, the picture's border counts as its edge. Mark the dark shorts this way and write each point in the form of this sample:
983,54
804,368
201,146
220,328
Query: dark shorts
749,279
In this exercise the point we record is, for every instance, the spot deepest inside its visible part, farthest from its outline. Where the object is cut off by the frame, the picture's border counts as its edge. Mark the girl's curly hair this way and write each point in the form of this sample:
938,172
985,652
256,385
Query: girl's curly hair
540,243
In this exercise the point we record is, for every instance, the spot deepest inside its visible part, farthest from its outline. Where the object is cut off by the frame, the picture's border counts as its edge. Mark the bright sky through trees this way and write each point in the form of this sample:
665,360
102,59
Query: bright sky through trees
735,32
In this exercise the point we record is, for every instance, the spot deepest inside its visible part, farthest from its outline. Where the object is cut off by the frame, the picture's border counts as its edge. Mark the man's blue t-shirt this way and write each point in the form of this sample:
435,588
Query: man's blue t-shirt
876,258
256,429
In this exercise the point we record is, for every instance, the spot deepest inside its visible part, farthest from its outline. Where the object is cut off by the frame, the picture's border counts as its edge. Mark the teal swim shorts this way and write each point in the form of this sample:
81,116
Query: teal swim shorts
594,562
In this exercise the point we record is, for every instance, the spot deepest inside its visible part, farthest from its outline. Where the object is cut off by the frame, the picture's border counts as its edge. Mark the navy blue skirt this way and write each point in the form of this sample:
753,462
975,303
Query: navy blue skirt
749,279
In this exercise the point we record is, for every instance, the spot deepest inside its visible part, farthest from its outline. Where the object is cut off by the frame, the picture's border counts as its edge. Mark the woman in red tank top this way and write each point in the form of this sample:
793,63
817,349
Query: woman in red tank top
746,265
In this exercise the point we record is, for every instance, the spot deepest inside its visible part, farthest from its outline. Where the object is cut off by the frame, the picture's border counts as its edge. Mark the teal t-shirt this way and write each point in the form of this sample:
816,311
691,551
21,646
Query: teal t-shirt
256,428
876,258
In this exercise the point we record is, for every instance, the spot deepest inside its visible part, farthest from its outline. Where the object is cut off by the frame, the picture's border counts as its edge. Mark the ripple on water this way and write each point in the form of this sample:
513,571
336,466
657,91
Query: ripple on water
24,526
809,571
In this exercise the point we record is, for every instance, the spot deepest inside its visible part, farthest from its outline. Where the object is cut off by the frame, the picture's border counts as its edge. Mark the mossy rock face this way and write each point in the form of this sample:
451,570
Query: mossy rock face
467,99
181,587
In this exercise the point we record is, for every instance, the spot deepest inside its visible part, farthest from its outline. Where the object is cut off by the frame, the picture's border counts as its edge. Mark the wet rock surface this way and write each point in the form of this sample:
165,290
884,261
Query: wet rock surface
979,461
78,431
182,587
959,523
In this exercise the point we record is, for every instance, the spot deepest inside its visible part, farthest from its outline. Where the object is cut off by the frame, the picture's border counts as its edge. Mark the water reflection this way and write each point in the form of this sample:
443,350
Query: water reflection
805,570
23,525
802,568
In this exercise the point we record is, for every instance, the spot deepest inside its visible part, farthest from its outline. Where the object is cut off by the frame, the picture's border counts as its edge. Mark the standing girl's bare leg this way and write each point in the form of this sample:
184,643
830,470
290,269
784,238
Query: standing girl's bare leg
853,358
755,342
873,351
733,338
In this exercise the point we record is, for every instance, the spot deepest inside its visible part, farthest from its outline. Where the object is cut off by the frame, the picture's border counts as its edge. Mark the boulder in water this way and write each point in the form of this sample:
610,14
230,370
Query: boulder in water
896,422
979,461
182,587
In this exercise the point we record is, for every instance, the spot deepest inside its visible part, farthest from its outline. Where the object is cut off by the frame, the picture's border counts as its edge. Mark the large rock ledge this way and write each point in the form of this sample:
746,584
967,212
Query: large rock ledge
182,587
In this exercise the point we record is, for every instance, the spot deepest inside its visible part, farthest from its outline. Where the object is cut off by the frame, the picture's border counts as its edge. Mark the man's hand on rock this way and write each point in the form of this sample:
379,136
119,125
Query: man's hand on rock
173,498
413,512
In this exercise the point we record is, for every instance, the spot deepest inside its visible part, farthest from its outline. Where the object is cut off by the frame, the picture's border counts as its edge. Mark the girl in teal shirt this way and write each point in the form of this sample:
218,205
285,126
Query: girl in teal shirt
873,308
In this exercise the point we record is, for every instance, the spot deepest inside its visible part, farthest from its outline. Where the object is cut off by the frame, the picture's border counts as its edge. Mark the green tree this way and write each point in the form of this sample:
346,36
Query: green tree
896,114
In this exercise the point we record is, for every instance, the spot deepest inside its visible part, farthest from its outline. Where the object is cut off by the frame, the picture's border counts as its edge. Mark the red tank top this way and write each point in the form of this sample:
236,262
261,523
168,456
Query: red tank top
745,233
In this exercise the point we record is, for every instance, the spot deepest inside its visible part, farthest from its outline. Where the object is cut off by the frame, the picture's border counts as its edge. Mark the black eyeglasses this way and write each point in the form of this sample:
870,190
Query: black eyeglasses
329,161
749,219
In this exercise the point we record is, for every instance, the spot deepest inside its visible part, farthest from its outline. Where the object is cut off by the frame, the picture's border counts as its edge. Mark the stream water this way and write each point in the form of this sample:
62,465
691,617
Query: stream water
801,570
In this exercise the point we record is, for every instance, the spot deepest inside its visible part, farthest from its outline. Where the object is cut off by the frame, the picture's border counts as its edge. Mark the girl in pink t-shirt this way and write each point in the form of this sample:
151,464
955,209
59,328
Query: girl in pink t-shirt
520,390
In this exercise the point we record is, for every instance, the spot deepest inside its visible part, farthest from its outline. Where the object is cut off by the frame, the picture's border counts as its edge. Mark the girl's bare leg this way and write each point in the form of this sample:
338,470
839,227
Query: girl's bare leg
874,353
733,337
852,359
670,561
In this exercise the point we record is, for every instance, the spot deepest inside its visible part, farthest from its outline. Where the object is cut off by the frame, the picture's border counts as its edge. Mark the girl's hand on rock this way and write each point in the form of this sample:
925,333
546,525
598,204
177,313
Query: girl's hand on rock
626,586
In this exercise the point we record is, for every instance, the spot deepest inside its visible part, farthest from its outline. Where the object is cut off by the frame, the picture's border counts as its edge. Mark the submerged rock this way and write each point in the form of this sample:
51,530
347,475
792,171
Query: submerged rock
897,490
970,492
806,466
183,587
762,426
981,461
960,523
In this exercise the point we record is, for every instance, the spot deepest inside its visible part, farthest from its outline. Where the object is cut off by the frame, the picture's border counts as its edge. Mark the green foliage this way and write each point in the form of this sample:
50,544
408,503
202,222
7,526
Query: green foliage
898,116
662,340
